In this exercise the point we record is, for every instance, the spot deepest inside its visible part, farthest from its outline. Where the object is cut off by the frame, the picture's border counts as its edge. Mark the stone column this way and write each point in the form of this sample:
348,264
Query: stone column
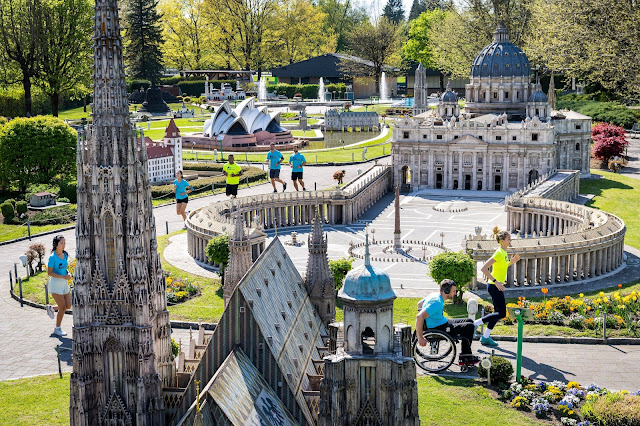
531,272
510,271
505,172
544,276
474,174
521,272
579,265
460,183
572,259
554,270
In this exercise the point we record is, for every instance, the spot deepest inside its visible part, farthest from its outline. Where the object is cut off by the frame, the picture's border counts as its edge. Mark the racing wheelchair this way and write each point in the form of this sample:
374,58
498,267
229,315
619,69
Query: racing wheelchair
440,351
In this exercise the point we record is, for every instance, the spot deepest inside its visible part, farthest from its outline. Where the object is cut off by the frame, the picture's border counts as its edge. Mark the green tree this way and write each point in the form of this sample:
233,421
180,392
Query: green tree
300,31
20,32
36,150
143,40
188,35
380,44
217,251
419,46
341,17
394,11
593,40
66,49
456,266
417,7
339,269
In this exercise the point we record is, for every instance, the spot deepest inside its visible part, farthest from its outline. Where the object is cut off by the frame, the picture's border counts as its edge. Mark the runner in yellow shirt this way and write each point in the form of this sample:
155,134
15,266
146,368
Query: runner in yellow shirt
232,171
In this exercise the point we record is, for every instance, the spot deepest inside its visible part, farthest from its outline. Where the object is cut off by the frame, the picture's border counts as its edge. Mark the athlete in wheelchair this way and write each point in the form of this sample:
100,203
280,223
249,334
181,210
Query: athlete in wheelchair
435,338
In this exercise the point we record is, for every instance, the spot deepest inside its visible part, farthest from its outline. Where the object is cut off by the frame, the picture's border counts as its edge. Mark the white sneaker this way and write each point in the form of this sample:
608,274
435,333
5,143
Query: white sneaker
58,332
50,311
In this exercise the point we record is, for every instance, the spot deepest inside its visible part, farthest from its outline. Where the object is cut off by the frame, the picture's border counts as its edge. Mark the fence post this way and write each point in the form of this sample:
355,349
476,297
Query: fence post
316,158
245,157
59,364
352,157
20,285
247,179
196,155
166,225
315,186
46,293
10,281
383,148
15,272
29,227
604,326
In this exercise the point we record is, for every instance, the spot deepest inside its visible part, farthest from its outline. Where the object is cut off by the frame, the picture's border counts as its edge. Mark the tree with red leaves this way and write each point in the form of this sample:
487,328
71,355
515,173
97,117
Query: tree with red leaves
609,141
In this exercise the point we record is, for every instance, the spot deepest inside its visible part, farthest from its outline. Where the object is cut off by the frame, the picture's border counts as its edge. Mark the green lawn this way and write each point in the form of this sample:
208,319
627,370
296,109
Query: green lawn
617,194
442,401
375,148
78,113
42,400
11,232
207,307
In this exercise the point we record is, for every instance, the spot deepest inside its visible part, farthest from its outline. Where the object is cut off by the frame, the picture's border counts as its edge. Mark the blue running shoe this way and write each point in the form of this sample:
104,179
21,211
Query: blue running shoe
488,341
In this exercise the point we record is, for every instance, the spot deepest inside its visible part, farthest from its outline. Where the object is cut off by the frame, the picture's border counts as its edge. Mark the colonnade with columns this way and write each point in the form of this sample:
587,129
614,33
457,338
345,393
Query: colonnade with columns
337,207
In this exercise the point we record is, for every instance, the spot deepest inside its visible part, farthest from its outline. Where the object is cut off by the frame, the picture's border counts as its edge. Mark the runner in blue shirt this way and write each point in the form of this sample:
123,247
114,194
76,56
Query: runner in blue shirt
275,158
297,160
182,189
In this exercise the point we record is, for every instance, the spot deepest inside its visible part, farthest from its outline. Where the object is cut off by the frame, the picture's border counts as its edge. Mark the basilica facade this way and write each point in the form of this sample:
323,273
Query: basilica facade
507,135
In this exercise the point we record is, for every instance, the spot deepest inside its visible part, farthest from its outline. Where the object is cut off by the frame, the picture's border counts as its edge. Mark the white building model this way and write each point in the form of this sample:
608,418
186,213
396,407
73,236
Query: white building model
165,157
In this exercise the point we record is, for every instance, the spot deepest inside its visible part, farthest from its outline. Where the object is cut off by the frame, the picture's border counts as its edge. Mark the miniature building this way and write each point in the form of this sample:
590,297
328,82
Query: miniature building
42,199
239,258
319,281
420,91
165,157
184,112
341,121
265,355
122,355
371,377
505,138
225,93
154,102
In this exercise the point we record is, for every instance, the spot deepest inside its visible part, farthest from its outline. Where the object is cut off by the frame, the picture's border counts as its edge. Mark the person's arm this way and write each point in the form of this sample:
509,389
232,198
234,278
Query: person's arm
485,271
188,189
224,171
514,259
281,159
420,318
54,275
175,188
239,172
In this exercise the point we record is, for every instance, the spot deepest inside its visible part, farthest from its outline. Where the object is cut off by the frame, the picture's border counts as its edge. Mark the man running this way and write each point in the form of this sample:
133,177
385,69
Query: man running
232,171
275,158
297,160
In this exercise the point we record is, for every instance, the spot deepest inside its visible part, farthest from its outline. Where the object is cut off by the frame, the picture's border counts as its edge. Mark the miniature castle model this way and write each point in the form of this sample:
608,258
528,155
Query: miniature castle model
371,377
341,121
319,281
121,334
165,157
505,138
225,93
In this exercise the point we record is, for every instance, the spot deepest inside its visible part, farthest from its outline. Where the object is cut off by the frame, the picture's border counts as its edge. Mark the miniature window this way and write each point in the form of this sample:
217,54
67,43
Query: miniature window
368,341
506,94
498,138
534,136
577,147
438,136
514,138
405,135
578,126
495,95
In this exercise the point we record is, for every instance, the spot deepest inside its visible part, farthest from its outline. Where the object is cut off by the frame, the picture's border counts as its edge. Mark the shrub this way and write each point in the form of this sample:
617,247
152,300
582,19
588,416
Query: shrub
175,347
7,211
186,99
576,321
12,201
63,199
217,251
69,190
21,207
609,141
456,266
339,270
501,370
137,84
55,216
3,120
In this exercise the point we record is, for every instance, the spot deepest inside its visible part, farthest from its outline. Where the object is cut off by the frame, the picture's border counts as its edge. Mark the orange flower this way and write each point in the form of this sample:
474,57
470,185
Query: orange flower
619,285
544,290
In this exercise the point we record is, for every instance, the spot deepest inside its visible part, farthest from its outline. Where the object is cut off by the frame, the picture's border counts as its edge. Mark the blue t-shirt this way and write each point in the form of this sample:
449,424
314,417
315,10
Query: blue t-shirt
273,158
434,305
181,189
296,161
59,265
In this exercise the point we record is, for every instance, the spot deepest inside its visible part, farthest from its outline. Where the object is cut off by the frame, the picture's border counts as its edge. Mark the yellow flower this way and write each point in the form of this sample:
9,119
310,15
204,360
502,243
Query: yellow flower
624,392
581,295
635,298
601,294
588,308
605,300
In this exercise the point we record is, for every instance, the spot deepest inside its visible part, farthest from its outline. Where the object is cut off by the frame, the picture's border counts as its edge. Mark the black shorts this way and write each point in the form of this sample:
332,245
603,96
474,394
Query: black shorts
296,175
274,173
232,189
182,200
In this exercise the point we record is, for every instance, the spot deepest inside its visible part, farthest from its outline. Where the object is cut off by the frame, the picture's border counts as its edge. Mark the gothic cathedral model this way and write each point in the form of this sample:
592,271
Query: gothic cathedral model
121,334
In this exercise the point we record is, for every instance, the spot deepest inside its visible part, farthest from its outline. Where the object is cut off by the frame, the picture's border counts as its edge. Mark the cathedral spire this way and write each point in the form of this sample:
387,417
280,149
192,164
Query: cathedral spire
319,281
239,256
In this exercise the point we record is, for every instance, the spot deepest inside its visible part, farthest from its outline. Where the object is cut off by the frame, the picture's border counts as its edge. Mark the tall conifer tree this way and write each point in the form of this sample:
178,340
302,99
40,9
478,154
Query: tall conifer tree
394,11
417,7
143,40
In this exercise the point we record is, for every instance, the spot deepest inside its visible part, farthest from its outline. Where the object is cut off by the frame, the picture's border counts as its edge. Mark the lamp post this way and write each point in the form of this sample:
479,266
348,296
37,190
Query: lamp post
442,239
373,236
424,252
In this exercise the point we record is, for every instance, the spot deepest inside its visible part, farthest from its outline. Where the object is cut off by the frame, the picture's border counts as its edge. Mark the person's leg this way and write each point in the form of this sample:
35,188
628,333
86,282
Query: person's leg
273,183
183,209
67,299
178,208
62,305
295,184
463,328
500,307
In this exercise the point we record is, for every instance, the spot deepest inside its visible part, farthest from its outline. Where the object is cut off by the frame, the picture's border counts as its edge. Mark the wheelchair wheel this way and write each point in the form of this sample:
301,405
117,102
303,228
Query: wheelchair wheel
438,354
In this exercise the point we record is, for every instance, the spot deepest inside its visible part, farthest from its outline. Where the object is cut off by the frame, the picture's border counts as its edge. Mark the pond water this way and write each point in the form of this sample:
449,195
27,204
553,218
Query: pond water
333,139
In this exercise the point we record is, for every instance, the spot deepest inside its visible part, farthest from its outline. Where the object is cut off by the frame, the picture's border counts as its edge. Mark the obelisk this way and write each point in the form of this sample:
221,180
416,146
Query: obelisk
397,242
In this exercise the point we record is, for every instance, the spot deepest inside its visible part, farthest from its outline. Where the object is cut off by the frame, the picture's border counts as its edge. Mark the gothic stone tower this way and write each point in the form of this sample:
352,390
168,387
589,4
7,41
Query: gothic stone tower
239,258
121,334
371,378
319,281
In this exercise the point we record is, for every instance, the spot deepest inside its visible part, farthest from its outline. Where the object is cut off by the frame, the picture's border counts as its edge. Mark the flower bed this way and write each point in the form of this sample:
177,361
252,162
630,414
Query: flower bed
179,289
586,313
572,404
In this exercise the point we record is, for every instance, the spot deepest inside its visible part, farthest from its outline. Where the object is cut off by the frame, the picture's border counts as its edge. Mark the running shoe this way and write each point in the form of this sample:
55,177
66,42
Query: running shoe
50,311
488,341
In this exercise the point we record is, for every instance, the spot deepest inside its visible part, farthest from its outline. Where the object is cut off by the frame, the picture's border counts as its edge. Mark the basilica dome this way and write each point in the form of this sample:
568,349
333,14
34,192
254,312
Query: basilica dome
501,58
538,96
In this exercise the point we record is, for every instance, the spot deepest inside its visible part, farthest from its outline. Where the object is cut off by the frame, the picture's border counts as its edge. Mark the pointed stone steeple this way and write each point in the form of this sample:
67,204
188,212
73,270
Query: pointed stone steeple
121,331
239,257
551,95
420,90
319,281
397,241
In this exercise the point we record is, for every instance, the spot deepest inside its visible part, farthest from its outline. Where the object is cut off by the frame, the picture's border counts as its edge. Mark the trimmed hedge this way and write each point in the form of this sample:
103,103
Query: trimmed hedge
21,207
501,370
7,211
204,184
614,409
137,84
196,87
596,106
308,91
